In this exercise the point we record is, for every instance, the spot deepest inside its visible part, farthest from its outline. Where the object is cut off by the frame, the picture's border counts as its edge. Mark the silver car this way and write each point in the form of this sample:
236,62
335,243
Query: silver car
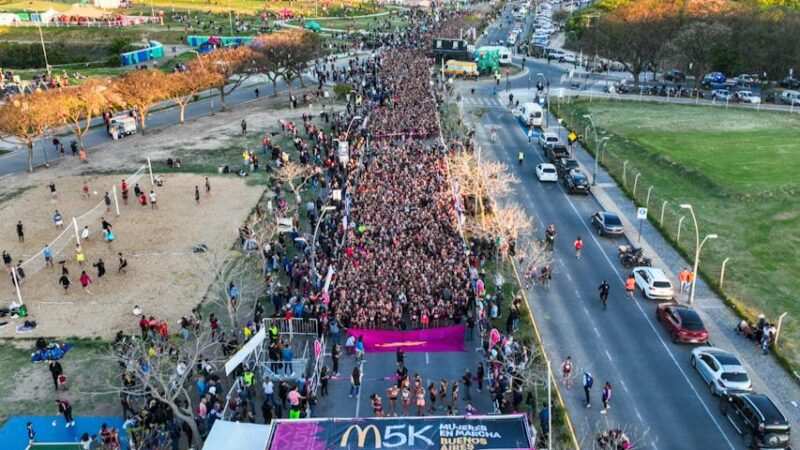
721,370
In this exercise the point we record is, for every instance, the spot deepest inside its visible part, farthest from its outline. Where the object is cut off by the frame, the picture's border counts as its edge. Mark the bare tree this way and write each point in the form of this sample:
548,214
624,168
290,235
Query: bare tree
162,369
296,176
233,269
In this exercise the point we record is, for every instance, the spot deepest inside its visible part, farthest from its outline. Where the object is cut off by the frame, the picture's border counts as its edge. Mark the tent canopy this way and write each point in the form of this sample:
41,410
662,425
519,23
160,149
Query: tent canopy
226,435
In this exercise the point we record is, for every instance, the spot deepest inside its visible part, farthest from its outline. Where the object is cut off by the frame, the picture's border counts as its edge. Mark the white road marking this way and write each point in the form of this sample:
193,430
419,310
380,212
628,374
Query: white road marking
638,415
609,356
624,386
358,397
596,331
427,361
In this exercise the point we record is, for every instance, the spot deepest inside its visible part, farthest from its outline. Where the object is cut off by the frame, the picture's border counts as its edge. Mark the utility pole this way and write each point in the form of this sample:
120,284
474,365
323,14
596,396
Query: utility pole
44,50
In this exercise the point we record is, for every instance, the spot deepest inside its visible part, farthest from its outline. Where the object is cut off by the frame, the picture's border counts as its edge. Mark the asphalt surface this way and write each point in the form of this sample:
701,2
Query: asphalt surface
656,395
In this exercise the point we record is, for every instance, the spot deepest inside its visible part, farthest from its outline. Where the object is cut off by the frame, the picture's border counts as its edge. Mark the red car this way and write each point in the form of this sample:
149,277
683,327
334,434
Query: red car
683,323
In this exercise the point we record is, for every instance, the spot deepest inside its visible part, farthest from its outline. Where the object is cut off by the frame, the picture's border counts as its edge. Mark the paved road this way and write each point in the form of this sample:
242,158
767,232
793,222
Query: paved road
655,392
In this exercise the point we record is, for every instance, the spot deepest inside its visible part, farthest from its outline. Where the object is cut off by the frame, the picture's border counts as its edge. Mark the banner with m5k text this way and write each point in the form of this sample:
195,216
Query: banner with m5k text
408,433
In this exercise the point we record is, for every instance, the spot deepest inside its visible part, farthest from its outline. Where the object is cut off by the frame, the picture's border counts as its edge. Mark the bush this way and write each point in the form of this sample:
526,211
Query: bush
341,90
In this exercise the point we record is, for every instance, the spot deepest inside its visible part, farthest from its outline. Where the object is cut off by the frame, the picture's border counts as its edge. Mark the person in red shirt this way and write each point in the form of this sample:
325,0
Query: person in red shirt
86,280
578,247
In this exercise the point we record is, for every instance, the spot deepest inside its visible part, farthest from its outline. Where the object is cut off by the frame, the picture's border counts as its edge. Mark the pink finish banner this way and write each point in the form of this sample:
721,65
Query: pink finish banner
443,339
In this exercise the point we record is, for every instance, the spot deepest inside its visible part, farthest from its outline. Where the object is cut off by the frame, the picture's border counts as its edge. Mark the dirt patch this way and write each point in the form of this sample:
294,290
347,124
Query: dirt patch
164,277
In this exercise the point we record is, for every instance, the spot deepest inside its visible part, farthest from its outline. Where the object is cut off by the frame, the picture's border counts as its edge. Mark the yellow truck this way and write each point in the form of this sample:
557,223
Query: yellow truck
466,69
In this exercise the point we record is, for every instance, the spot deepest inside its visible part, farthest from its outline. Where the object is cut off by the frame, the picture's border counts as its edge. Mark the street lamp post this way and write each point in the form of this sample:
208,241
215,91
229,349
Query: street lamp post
325,209
698,246
600,146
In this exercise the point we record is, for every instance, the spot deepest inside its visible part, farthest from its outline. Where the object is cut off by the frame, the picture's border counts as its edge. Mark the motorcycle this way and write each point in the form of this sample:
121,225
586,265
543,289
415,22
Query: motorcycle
630,256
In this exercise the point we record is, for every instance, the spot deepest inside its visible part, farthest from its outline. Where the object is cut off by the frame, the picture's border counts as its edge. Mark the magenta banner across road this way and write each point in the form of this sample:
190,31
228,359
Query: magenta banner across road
443,339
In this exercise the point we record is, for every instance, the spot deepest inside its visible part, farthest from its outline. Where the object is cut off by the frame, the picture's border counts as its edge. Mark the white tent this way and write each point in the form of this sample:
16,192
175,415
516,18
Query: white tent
8,19
226,435
49,15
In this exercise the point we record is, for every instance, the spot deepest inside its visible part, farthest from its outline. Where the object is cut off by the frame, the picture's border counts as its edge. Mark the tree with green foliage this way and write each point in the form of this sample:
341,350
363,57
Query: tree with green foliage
489,62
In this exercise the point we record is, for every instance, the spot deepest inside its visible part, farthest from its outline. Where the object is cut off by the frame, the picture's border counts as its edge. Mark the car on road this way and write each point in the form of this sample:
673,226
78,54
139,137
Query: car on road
653,283
790,83
722,95
675,75
747,97
714,78
790,97
548,138
564,165
721,370
546,172
607,223
682,323
556,152
756,418
576,182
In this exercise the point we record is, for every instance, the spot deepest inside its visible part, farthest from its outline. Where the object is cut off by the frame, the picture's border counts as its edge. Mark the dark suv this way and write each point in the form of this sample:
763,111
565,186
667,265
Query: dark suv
757,420
556,152
576,182
564,165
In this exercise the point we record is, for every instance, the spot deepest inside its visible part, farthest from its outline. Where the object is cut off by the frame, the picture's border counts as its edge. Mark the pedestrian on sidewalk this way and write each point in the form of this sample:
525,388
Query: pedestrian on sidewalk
606,397
588,382
244,127
566,372
20,232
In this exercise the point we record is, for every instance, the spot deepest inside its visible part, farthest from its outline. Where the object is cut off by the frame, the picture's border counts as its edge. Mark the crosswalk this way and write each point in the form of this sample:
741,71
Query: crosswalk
481,101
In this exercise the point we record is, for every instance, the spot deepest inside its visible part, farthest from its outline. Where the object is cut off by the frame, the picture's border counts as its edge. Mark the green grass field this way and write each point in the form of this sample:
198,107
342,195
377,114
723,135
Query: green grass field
738,168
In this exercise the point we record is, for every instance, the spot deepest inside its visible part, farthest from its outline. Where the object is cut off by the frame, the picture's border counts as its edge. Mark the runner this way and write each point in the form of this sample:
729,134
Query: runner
566,372
630,285
578,247
604,288
606,397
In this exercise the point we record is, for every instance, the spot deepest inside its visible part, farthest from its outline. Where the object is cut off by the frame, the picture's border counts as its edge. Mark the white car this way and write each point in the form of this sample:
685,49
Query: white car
653,283
721,370
547,139
546,172
748,97
723,95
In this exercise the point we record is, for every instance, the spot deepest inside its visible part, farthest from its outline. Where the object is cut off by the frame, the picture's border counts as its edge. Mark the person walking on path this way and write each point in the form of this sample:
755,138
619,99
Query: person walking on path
244,127
65,409
606,397
153,204
588,382
80,257
86,280
355,382
208,186
107,201
55,371
683,278
53,192
20,231
196,195
578,247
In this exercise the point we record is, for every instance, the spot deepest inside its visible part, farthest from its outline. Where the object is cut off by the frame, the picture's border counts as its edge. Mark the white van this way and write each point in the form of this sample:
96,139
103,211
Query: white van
505,54
532,115
790,97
